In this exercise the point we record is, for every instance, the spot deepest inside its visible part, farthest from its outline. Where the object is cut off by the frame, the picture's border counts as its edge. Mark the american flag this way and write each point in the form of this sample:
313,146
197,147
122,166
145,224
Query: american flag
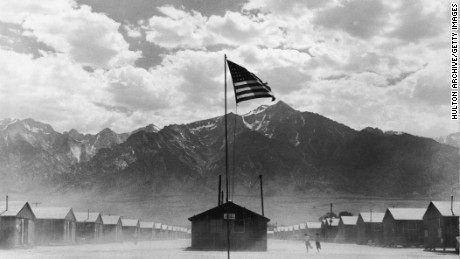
247,85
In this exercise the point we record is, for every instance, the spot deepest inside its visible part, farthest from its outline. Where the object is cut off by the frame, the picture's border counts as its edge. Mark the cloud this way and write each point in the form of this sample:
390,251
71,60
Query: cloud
132,31
432,86
359,18
363,63
178,29
18,11
285,7
89,38
48,88
418,20
137,89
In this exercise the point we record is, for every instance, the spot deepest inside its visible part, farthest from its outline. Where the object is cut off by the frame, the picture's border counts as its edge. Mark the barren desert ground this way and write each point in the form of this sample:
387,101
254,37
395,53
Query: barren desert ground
175,249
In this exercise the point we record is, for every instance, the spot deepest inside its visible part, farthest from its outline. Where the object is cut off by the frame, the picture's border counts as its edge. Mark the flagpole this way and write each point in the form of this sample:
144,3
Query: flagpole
226,138
226,157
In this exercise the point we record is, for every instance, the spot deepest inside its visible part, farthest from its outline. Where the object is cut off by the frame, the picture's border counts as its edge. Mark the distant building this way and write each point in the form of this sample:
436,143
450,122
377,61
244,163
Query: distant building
89,226
279,232
157,231
324,225
370,228
111,229
16,224
130,229
441,223
146,230
290,232
164,231
284,232
302,230
329,229
313,228
54,225
248,230
348,229
403,226
170,232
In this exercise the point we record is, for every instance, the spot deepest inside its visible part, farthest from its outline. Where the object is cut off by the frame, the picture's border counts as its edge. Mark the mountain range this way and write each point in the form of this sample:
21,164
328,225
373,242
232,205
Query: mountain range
296,152
451,139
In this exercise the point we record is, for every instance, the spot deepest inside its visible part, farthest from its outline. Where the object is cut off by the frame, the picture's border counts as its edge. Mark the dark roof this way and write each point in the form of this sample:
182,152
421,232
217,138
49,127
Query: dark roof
223,208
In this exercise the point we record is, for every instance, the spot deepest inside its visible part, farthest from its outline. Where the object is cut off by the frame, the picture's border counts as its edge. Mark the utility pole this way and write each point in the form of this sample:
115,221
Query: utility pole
261,194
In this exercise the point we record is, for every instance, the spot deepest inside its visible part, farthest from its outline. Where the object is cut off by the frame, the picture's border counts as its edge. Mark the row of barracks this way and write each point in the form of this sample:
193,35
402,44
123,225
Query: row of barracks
23,225
433,227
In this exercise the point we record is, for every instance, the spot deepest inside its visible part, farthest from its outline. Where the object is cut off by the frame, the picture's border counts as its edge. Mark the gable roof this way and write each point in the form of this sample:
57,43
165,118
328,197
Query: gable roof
349,220
16,209
223,208
444,207
129,222
146,224
164,227
92,217
313,225
335,222
157,225
54,213
377,217
110,220
407,213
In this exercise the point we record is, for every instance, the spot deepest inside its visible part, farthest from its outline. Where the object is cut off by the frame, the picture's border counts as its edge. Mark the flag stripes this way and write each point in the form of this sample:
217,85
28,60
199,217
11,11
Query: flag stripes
247,85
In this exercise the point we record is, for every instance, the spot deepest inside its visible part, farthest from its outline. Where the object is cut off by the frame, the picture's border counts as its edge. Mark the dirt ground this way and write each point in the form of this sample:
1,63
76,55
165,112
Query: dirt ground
175,249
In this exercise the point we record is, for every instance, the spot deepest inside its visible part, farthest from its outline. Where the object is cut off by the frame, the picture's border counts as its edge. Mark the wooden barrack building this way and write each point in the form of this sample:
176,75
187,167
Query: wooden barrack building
348,229
370,228
441,223
111,229
54,225
403,227
16,224
248,230
89,227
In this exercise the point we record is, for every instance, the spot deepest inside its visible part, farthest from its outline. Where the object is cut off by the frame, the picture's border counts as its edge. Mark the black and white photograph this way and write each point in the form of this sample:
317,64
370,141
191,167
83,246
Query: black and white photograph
245,129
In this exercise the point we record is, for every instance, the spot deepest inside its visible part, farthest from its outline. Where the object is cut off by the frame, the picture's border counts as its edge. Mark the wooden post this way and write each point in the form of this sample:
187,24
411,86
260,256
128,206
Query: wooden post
261,194
222,197
226,156
220,188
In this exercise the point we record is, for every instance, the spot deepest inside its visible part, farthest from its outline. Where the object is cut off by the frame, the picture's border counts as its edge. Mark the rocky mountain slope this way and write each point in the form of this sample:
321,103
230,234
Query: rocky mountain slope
451,139
297,152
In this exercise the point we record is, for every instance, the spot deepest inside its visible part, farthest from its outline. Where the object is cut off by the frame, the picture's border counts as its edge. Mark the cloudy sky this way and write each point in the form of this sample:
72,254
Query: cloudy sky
91,64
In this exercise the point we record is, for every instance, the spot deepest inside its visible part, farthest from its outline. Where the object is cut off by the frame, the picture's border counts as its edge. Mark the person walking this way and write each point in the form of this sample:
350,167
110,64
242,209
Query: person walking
307,243
318,242
135,236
